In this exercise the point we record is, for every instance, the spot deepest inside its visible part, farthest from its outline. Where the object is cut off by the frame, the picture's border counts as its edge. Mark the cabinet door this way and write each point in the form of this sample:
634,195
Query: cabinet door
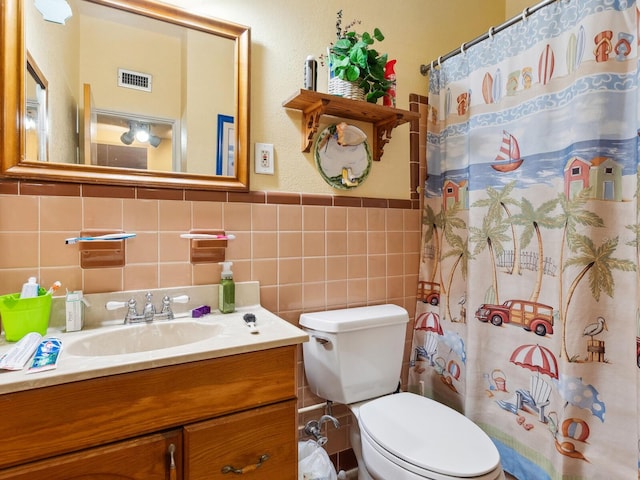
143,458
259,443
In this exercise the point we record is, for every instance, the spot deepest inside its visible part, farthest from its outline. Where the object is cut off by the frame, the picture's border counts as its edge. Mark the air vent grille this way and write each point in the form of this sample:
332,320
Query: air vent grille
135,80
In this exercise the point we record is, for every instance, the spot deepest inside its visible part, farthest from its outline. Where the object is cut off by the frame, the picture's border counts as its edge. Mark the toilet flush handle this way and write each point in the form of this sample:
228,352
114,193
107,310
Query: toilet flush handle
325,342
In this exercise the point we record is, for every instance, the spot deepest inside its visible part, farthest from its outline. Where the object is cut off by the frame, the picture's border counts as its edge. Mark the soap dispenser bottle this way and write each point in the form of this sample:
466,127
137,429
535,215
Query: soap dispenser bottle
227,289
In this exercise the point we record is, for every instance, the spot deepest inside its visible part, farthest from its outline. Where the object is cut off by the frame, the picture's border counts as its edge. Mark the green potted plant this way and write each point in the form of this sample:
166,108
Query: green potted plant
352,58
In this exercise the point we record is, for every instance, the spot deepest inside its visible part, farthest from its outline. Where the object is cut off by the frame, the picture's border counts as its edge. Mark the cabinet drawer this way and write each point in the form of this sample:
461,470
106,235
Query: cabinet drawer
240,440
144,458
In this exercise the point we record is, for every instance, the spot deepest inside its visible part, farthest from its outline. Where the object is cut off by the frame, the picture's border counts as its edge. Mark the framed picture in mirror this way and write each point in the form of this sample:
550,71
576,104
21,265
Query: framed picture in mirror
225,157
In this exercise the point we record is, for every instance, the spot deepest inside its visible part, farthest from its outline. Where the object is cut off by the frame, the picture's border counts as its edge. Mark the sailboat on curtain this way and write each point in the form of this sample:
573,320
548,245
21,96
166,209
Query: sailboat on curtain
508,158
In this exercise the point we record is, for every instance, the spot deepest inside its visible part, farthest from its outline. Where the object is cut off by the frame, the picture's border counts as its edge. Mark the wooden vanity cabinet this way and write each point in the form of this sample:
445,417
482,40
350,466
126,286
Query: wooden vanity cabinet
228,411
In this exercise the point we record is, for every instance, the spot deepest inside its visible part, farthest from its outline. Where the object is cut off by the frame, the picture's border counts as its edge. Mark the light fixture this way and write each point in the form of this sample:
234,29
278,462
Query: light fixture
29,122
154,141
140,132
56,11
128,137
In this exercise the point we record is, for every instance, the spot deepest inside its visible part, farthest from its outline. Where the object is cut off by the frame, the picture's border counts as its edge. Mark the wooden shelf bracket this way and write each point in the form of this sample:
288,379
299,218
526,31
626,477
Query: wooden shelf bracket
314,105
310,122
382,135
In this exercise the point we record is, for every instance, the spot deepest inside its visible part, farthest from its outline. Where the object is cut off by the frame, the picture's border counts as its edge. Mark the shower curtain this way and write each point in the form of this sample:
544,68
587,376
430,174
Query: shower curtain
527,304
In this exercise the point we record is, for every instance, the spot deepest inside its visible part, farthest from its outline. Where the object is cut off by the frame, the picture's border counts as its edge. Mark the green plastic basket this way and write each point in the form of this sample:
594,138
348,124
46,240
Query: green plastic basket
24,315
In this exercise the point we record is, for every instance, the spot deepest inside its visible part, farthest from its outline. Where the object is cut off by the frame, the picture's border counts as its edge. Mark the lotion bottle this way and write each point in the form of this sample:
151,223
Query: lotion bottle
226,289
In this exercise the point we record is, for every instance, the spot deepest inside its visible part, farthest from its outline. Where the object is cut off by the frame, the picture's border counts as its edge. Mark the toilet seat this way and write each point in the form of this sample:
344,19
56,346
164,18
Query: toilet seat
427,438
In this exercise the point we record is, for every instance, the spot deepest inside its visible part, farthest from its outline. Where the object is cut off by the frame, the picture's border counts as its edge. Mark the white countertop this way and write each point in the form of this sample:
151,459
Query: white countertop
235,337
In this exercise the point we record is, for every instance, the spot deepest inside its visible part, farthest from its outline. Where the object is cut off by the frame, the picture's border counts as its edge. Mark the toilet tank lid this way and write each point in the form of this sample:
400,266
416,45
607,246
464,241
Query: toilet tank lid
359,318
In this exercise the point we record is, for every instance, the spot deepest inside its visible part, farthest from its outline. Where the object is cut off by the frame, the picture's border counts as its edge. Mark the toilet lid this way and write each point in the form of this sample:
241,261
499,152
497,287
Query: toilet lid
429,435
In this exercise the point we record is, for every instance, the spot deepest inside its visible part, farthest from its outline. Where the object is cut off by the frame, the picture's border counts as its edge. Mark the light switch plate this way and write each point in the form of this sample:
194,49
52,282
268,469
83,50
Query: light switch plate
264,160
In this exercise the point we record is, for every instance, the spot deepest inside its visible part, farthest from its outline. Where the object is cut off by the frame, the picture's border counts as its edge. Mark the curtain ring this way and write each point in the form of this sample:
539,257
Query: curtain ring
462,48
491,33
525,14
431,66
439,59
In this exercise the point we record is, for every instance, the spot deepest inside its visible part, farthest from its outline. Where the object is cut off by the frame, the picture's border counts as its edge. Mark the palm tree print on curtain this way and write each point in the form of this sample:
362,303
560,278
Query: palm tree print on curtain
527,306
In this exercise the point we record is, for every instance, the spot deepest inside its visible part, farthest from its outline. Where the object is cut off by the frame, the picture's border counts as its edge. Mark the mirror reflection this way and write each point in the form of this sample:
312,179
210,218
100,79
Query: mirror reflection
35,122
113,88
134,141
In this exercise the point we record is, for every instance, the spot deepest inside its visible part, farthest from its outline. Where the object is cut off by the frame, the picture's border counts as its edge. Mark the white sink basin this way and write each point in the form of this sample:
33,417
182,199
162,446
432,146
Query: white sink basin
141,338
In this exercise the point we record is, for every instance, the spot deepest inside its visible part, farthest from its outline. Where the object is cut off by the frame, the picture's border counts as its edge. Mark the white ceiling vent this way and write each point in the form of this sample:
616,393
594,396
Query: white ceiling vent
135,80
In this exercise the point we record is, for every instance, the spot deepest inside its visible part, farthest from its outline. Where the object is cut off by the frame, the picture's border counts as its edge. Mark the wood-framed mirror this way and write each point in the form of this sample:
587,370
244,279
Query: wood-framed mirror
177,111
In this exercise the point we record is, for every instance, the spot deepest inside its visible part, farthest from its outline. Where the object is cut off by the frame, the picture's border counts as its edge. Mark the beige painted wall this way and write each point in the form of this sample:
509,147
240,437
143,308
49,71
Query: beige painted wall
284,32
130,48
516,7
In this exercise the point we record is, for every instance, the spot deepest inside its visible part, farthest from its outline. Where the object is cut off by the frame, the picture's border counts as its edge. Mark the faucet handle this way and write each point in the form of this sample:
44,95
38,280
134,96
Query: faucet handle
179,299
167,301
115,305
130,304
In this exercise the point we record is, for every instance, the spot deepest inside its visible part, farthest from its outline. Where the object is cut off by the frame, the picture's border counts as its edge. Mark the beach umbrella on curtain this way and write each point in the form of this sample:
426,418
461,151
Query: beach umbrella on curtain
452,340
536,358
579,394
428,322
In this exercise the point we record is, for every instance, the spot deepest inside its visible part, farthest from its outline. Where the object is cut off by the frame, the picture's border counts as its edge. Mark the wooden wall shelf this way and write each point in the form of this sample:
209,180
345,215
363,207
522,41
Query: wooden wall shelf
315,104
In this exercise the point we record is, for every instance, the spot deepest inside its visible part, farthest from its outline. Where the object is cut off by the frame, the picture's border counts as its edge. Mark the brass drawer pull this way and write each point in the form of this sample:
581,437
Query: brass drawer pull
248,468
172,462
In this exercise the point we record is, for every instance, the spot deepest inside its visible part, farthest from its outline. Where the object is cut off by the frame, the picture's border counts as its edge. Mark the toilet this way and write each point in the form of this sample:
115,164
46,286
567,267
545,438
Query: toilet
354,357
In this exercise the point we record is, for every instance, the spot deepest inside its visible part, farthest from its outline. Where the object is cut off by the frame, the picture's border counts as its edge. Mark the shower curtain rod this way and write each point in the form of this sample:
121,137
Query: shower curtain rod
424,69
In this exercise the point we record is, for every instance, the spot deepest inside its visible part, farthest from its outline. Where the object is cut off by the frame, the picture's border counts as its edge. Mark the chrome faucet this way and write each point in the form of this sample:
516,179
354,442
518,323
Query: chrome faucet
149,310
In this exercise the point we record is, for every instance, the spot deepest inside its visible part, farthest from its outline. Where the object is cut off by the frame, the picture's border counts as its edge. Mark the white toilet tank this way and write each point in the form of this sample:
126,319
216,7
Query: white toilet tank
354,354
